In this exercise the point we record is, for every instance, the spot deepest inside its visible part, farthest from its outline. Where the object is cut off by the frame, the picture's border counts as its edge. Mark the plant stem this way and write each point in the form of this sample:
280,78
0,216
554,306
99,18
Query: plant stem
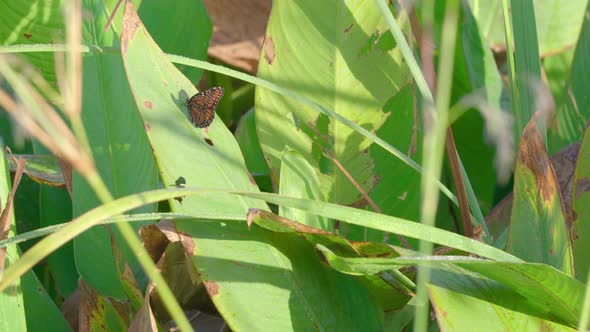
434,141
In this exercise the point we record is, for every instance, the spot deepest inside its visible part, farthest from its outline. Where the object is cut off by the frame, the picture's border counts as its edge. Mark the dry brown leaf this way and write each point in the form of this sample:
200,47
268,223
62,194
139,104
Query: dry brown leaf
70,309
144,320
238,31
66,170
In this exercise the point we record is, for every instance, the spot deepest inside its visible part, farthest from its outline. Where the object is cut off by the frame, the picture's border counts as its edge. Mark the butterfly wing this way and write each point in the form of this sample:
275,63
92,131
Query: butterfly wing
202,106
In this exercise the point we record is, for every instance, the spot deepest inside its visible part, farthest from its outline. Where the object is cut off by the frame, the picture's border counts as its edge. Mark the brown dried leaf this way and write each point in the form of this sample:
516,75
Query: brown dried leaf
70,309
178,271
66,170
238,31
154,241
144,320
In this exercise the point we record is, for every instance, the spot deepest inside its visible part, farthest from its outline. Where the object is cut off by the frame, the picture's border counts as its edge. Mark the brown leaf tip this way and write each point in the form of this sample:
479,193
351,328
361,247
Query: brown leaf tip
252,213
130,24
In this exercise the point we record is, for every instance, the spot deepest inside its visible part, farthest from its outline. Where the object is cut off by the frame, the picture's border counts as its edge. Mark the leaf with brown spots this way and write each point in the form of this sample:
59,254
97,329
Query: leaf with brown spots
538,230
269,50
564,164
98,313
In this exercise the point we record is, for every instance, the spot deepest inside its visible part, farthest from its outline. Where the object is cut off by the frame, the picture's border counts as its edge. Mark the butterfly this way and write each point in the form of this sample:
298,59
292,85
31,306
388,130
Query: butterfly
202,106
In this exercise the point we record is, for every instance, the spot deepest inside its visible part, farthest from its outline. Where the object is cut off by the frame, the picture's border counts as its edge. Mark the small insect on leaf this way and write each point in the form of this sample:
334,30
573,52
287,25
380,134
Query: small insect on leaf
202,106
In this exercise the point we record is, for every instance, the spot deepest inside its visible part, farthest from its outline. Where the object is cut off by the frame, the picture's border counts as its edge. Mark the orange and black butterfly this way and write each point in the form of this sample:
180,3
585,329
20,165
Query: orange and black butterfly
202,106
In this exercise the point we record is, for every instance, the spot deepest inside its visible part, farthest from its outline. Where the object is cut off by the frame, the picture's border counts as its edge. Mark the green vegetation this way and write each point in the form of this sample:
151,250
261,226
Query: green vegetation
388,168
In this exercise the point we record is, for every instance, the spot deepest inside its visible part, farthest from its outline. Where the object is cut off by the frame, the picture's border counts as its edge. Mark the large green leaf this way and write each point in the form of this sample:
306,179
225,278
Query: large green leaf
526,65
249,144
119,147
396,193
534,289
457,311
42,313
298,179
538,232
348,63
55,207
278,278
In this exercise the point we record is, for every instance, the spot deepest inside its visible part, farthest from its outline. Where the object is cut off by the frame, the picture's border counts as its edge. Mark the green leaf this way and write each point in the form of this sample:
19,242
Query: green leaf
534,289
55,207
573,109
183,29
458,311
42,313
557,22
348,64
247,139
33,22
119,148
298,179
527,66
396,193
